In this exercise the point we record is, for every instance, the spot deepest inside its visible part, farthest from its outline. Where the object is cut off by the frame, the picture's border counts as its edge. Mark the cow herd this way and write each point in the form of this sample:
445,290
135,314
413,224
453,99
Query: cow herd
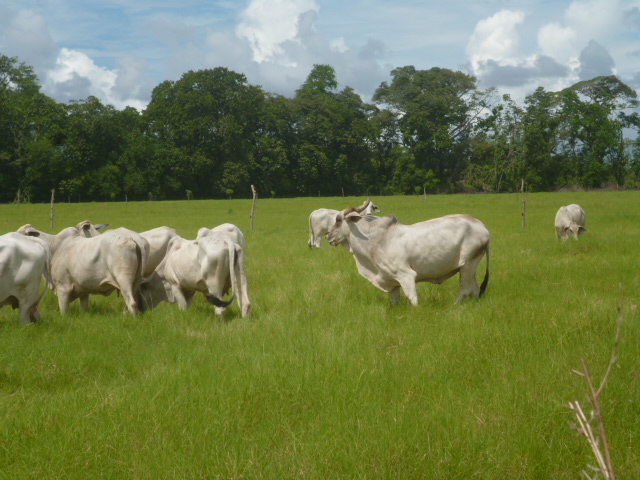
145,268
158,265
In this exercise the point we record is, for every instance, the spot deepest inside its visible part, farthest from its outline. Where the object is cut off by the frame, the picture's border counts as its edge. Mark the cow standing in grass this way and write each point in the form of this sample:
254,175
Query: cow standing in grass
23,263
82,266
394,256
570,220
212,264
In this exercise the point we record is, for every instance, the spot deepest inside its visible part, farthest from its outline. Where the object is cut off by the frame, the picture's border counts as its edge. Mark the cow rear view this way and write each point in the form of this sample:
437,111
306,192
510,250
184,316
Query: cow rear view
23,262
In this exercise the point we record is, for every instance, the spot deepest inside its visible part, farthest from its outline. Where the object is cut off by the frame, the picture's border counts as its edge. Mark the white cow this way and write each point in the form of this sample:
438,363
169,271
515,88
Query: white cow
88,229
228,229
321,221
570,220
81,266
393,256
23,263
211,264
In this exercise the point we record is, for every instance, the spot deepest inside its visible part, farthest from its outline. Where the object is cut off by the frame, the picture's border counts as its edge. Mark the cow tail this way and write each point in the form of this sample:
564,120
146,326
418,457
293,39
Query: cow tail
485,282
234,270
139,271
218,302
311,232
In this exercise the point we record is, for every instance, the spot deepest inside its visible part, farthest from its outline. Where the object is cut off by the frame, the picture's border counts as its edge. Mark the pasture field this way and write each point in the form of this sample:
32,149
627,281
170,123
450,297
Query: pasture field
325,379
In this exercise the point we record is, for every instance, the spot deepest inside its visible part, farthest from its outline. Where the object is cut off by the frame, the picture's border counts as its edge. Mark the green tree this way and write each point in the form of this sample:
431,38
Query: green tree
334,135
212,117
596,112
435,111
31,130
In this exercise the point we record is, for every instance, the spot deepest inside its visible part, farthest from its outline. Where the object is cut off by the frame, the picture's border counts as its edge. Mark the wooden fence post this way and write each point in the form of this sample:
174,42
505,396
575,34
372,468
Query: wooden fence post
53,215
253,207
524,206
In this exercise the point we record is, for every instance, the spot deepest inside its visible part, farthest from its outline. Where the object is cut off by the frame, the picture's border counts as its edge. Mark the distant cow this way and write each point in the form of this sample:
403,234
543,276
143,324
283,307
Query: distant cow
212,264
81,266
23,263
393,256
570,220
321,221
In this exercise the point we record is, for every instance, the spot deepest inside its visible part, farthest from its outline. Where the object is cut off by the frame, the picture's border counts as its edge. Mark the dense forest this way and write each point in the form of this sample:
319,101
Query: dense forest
211,134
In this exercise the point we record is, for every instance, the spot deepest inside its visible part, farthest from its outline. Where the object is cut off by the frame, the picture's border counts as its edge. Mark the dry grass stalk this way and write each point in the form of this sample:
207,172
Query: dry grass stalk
597,442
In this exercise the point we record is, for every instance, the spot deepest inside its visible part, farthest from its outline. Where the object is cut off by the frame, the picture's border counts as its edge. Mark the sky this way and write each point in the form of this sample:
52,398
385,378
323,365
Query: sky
120,50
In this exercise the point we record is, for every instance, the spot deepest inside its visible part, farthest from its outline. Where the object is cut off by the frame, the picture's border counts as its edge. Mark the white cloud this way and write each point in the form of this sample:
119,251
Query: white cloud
267,24
558,41
25,34
76,73
72,62
593,18
495,38
339,45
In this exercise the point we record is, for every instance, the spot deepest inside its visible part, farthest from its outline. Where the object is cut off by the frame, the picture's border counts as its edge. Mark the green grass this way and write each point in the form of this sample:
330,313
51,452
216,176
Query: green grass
326,379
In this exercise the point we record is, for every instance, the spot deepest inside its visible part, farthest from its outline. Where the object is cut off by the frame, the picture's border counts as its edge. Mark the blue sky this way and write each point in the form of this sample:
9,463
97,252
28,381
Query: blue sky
119,50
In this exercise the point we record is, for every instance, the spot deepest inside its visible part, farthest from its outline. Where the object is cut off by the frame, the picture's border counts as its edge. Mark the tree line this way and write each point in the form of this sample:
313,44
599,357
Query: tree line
212,134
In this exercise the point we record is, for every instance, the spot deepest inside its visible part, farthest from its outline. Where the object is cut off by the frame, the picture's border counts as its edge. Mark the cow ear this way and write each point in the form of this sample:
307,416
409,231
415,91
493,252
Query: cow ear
86,225
582,229
101,226
353,217
32,232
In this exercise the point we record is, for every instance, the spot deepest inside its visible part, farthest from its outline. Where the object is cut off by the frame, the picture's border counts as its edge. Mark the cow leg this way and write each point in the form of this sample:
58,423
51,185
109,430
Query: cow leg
64,298
394,296
312,241
130,300
245,304
468,284
84,302
24,312
408,284
183,299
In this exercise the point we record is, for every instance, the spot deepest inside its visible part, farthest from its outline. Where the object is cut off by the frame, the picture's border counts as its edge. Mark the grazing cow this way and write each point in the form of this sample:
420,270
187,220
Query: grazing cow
234,234
570,220
211,264
87,229
23,262
321,221
81,266
393,256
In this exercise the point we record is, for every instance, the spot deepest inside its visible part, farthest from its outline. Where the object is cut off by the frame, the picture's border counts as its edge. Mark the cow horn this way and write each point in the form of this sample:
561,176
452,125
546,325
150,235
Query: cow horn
362,207
217,302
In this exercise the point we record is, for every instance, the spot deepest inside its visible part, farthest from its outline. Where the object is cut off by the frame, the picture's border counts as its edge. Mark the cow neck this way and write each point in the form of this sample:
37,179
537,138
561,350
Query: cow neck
362,237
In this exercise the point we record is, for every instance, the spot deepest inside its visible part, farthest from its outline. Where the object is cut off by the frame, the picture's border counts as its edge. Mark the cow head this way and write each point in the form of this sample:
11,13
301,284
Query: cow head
339,233
153,290
574,229
89,230
371,207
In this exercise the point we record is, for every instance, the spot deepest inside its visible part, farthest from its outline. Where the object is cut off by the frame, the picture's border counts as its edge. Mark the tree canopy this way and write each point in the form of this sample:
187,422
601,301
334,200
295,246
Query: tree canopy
212,134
